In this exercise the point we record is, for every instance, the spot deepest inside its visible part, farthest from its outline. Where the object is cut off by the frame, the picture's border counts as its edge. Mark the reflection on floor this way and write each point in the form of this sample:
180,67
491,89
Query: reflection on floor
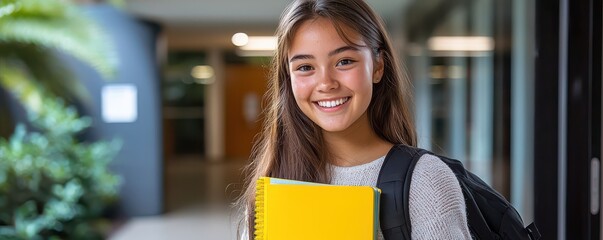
197,202
184,224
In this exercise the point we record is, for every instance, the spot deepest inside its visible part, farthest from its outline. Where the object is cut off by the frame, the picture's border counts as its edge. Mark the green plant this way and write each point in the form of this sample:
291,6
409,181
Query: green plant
52,185
32,31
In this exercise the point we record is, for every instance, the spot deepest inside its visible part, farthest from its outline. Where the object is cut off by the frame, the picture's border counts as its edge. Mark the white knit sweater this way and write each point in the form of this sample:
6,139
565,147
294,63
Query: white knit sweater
436,203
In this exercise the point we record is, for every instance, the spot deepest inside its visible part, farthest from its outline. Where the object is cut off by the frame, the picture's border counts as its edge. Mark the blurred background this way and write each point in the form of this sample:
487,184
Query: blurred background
132,119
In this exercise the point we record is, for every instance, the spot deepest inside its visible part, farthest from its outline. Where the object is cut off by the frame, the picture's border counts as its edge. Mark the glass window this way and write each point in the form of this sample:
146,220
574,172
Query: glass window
473,88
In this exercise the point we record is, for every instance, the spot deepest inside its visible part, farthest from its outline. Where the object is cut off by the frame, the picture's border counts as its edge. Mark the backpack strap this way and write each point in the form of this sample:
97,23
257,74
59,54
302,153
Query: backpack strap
533,232
394,181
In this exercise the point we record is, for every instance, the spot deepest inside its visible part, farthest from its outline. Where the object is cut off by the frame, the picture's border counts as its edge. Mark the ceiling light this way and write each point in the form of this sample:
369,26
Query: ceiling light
260,43
240,39
202,72
469,44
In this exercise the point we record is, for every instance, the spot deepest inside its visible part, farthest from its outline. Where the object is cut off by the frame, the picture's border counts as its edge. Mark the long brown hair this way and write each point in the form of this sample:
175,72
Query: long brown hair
291,146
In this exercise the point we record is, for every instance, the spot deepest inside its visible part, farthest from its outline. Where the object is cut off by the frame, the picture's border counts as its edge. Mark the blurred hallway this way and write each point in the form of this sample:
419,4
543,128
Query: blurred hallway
192,223
192,181
511,88
197,200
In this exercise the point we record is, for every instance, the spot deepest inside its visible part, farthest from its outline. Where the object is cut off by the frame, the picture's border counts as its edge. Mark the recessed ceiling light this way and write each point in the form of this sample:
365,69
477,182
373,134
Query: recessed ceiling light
461,44
260,43
240,39
202,72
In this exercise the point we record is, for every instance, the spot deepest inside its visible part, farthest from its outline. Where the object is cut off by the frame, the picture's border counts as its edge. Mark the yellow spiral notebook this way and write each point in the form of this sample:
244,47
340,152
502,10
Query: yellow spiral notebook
295,210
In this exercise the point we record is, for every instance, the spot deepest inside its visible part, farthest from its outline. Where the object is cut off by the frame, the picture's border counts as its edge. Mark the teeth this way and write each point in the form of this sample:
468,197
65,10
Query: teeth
334,103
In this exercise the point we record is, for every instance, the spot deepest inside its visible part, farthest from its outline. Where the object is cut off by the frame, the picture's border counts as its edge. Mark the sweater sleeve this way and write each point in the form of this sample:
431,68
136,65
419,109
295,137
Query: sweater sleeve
436,202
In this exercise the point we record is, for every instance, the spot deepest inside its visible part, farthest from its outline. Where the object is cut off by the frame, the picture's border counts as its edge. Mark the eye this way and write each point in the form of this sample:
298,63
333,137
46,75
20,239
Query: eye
304,68
344,62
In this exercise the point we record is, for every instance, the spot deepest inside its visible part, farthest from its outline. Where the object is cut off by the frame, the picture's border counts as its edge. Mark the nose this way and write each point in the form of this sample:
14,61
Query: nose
327,82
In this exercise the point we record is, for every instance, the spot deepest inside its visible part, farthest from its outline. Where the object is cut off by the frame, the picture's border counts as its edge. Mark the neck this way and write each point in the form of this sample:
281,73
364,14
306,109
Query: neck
356,145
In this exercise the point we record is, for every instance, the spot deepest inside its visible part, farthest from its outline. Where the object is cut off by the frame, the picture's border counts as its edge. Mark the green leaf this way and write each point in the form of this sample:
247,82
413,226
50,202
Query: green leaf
7,9
17,81
8,233
36,8
45,67
51,184
75,36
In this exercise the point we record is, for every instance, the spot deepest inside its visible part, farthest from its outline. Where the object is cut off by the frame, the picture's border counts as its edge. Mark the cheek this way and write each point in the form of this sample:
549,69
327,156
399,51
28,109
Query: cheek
360,79
301,89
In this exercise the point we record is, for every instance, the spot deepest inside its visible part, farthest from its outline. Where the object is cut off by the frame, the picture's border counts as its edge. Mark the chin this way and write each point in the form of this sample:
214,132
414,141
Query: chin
333,128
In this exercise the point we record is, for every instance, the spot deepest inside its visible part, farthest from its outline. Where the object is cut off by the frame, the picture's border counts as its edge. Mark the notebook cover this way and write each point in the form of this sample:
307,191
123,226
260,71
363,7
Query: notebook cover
292,210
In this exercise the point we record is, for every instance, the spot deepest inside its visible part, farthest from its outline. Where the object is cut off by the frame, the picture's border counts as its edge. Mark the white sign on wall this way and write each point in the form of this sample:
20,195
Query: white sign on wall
119,103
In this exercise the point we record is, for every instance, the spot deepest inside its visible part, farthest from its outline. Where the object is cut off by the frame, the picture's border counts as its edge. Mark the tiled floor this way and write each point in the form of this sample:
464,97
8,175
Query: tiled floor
182,225
197,200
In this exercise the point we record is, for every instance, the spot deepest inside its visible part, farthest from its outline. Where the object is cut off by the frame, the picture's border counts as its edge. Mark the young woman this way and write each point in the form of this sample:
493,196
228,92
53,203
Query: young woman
337,103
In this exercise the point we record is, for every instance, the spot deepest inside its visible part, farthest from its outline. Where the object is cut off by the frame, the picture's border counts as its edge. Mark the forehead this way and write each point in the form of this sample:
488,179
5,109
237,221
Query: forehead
322,31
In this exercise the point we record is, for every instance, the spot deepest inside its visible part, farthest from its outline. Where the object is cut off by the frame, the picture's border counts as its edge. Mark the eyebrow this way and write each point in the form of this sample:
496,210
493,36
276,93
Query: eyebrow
331,53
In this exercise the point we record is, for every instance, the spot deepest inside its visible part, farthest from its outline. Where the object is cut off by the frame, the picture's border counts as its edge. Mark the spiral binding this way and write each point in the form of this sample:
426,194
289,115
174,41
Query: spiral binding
259,209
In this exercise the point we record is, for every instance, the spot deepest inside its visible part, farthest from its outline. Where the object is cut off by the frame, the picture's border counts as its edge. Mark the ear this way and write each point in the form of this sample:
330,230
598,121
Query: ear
378,68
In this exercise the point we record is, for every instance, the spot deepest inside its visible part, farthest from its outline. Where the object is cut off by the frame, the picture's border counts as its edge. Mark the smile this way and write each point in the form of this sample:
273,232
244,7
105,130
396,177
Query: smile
333,103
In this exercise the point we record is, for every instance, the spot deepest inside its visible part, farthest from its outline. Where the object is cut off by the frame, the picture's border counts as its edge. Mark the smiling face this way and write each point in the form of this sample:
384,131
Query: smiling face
331,80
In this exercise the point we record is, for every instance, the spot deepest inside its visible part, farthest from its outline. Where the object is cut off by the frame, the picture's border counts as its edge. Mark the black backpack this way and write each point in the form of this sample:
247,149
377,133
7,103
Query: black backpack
489,214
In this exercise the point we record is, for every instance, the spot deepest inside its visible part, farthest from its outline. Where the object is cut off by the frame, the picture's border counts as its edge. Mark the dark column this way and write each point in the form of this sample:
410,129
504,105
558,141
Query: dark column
546,117
140,160
568,119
